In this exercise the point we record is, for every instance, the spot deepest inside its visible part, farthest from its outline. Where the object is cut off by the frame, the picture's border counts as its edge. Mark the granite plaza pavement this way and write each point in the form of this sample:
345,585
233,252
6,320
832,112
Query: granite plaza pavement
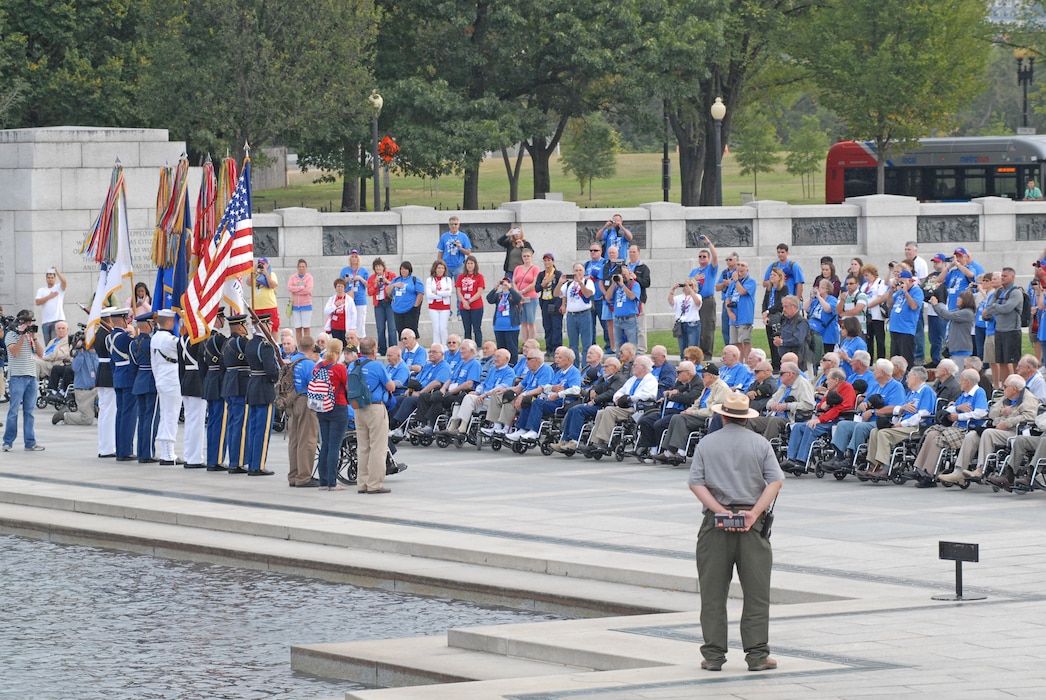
609,544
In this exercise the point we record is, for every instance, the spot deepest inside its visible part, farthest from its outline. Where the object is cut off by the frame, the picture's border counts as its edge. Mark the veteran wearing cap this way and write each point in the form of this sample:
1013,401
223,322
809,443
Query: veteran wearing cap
164,360
735,472
905,312
682,424
234,391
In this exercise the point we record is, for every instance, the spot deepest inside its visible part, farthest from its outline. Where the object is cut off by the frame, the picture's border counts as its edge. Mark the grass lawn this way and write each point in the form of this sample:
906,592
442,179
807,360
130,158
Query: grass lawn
638,180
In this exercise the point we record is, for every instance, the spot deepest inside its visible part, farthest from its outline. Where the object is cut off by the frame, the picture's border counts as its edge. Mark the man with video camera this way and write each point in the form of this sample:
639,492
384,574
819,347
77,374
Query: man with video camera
22,351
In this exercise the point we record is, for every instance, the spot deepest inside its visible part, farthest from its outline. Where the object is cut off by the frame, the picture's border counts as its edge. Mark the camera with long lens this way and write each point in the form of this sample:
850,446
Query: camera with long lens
7,322
31,329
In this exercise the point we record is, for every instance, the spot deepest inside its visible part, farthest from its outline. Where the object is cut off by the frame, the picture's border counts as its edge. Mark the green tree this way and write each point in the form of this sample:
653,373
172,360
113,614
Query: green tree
806,152
221,73
756,147
590,150
902,68
69,62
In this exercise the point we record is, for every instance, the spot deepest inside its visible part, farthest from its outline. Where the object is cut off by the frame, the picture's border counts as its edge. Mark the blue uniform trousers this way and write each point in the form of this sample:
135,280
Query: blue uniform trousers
236,429
126,415
259,427
148,422
215,433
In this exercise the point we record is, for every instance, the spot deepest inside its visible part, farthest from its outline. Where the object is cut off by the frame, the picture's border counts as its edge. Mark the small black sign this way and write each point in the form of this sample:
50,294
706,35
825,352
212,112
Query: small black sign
959,551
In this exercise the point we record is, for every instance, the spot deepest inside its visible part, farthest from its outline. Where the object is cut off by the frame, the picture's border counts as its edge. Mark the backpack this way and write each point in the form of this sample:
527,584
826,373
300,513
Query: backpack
320,393
1025,310
356,387
285,392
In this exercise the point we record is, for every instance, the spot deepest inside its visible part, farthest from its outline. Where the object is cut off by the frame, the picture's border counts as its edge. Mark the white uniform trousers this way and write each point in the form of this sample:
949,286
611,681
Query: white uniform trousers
170,404
193,436
106,420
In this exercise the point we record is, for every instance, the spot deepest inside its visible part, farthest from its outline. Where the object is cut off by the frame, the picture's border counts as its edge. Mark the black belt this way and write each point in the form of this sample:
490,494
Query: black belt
575,313
736,507
624,318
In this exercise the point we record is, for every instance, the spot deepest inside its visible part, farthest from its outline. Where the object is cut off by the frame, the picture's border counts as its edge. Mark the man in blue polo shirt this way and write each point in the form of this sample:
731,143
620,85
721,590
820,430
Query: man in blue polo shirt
625,290
963,273
706,274
454,246
904,314
432,376
740,307
463,379
372,422
793,274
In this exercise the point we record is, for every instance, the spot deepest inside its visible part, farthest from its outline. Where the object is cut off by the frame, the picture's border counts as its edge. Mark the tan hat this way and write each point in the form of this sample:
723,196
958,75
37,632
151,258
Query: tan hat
735,406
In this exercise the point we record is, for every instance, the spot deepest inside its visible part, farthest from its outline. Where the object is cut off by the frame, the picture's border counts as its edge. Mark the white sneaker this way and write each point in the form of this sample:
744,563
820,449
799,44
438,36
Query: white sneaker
530,435
398,433
489,432
515,435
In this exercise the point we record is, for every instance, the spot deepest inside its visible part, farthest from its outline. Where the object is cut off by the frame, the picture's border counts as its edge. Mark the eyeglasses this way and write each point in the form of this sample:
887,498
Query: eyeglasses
786,372
595,250
452,342
702,256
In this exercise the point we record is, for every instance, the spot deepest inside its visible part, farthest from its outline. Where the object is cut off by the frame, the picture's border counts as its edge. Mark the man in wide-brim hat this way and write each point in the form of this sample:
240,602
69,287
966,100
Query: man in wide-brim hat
735,472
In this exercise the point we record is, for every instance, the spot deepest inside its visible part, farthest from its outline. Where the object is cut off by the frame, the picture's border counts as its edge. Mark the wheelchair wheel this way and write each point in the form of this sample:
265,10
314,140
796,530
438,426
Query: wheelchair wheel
71,405
494,445
839,475
619,452
818,470
41,402
898,477
425,440
348,464
546,448
597,456
442,442
519,448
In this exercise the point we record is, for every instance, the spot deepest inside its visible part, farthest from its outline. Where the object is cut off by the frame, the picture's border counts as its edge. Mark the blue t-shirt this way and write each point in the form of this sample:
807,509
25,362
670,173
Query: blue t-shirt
302,372
452,255
612,238
377,377
744,312
868,377
358,288
503,314
418,356
738,375
724,276
404,298
825,323
498,379
892,393
532,380
439,372
623,306
468,371
978,400
453,359
792,272
571,376
711,272
851,345
924,399
399,374
521,366
902,317
958,283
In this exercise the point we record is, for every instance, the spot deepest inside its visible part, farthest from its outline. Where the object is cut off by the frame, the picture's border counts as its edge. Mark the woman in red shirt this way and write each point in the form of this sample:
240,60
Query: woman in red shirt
333,423
524,279
470,286
341,312
383,316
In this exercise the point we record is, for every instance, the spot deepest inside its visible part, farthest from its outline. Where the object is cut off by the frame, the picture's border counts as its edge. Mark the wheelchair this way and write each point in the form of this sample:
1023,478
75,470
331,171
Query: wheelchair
348,461
61,399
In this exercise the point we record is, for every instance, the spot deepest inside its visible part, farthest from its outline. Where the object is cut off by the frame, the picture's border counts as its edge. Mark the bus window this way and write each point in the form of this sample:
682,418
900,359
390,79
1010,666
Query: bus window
859,182
1006,183
943,185
975,183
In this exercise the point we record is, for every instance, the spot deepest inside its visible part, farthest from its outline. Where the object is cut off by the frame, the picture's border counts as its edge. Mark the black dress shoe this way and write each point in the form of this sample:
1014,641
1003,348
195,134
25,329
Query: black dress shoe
260,472
125,459
106,456
311,483
171,462
150,460
216,468
194,466
236,470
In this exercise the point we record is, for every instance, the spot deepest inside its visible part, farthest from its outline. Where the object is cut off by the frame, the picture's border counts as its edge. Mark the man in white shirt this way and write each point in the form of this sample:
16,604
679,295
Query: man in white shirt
52,299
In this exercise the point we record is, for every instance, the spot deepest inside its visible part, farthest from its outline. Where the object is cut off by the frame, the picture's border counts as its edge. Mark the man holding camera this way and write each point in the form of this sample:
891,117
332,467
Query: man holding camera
705,277
735,473
22,350
614,234
906,311
626,292
453,247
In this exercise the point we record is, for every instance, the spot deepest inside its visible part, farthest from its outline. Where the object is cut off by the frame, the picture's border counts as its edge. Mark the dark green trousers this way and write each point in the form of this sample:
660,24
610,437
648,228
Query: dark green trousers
718,552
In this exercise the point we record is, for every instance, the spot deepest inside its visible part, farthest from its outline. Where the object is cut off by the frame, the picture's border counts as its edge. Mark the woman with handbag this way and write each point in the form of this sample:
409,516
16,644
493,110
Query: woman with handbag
687,307
773,313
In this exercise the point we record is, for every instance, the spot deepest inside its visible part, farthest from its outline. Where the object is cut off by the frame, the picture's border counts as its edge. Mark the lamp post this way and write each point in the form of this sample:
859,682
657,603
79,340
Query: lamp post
375,99
666,164
1024,78
718,113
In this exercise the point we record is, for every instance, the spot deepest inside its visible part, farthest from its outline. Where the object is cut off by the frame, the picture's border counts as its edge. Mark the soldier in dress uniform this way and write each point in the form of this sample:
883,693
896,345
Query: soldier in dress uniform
264,360
214,373
163,350
144,388
104,384
119,346
234,391
191,372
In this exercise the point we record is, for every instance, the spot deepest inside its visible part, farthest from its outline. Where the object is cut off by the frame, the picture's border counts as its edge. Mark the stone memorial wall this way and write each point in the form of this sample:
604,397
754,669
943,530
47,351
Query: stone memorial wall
53,181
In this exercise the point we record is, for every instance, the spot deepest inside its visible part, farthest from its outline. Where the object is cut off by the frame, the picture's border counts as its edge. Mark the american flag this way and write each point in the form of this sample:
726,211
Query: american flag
229,253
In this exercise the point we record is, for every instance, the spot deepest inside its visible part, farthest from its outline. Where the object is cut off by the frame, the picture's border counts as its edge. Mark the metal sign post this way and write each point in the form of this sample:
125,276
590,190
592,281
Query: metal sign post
958,552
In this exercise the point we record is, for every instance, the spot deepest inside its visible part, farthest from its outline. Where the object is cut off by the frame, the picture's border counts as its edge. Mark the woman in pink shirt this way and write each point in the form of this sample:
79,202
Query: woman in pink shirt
524,279
300,287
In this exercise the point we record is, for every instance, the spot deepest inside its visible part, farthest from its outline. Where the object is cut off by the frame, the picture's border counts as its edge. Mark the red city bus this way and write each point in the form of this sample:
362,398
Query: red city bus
939,169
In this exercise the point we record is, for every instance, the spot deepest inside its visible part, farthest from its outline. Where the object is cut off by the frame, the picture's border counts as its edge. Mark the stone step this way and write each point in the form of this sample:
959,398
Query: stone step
415,661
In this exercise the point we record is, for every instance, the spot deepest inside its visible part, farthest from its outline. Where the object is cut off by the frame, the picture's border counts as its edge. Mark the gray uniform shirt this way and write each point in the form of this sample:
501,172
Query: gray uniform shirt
735,464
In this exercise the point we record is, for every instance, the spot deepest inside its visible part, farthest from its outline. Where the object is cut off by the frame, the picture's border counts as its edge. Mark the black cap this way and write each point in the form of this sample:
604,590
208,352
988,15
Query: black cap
238,319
